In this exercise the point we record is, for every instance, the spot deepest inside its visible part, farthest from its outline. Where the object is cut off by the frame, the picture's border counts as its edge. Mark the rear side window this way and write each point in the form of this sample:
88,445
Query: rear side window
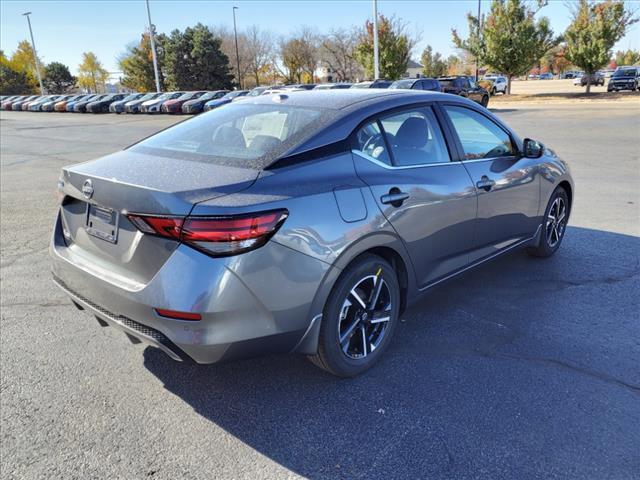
479,136
415,138
237,134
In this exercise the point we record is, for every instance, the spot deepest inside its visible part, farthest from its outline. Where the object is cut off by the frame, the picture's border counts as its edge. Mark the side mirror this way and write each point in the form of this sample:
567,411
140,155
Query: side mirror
532,148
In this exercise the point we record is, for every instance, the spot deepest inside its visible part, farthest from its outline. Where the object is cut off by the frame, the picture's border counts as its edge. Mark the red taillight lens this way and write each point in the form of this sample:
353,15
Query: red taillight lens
217,236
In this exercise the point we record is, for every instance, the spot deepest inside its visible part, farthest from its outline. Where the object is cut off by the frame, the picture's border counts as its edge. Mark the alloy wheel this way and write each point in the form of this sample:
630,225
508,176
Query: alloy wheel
556,222
365,316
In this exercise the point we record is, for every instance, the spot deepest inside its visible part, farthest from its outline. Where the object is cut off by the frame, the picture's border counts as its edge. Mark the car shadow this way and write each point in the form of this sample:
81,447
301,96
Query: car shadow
491,374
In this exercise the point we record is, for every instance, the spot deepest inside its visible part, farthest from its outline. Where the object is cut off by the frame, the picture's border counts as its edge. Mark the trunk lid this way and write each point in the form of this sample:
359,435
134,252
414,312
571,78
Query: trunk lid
99,193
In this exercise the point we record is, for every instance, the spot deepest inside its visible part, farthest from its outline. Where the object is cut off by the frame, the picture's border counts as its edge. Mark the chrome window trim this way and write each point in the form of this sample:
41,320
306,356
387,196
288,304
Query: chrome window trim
401,167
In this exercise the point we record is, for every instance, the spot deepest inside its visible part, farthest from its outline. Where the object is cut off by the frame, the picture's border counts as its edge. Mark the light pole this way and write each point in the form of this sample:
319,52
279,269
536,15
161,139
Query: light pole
376,58
479,28
153,48
235,34
35,54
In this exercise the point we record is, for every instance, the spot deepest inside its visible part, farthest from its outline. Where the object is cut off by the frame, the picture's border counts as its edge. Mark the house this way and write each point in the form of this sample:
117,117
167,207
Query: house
414,70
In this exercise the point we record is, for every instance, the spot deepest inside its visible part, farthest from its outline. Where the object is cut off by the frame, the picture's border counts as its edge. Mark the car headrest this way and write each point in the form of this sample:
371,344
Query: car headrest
264,143
414,133
229,137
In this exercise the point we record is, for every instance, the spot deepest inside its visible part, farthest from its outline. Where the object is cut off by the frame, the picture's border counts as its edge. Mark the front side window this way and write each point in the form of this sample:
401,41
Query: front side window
370,141
415,138
479,136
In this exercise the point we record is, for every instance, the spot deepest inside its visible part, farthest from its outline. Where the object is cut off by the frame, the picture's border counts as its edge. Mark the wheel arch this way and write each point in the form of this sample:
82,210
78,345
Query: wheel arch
387,246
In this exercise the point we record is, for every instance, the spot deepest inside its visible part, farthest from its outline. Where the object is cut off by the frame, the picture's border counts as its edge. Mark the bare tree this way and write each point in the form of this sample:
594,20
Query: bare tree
300,55
337,52
229,49
260,51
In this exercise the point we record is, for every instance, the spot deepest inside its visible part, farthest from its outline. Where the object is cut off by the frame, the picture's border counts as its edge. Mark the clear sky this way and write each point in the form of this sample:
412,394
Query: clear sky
65,29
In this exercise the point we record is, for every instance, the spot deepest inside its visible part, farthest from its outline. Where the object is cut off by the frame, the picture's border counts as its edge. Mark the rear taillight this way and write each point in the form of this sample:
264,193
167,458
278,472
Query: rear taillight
218,236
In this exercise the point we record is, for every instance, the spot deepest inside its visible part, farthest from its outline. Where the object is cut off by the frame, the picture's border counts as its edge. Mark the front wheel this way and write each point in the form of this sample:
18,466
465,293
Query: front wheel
554,225
359,318
485,101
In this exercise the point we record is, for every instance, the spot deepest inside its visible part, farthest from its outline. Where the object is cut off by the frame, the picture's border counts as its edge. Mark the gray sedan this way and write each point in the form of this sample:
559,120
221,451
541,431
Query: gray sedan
300,222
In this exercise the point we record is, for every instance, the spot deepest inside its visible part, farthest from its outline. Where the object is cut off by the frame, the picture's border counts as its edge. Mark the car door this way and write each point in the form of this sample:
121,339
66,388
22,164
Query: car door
425,194
475,92
508,185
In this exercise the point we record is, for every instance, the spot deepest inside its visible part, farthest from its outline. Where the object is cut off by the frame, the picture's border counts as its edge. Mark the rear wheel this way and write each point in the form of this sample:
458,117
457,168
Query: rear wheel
359,318
554,225
485,101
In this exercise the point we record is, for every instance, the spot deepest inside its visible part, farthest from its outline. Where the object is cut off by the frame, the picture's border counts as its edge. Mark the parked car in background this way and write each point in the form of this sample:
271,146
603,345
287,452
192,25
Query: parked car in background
577,80
37,104
301,86
228,98
257,91
155,105
332,86
546,76
624,78
498,84
85,98
118,106
133,106
465,87
430,84
230,255
533,76
571,74
50,105
8,102
61,105
81,106
25,105
175,105
197,104
372,84
102,105
608,73
595,79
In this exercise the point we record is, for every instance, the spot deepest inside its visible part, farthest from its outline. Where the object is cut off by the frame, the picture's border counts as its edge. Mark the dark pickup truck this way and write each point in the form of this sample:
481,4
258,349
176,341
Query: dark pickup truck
465,87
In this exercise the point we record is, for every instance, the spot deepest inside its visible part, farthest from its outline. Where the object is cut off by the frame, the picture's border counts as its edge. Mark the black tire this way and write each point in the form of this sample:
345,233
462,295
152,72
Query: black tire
331,355
485,101
549,242
493,91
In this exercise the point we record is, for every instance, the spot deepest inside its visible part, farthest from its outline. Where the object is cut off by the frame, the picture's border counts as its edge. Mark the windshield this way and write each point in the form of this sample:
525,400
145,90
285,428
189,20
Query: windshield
256,91
235,94
402,84
188,96
625,72
207,96
446,83
237,134
361,85
133,96
148,96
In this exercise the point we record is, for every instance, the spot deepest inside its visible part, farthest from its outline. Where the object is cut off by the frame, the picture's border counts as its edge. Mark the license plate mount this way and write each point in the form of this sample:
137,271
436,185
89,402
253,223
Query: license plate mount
102,223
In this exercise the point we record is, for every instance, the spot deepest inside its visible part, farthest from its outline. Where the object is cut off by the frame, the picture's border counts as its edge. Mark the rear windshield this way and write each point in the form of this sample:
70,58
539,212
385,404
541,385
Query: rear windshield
238,134
446,83
625,72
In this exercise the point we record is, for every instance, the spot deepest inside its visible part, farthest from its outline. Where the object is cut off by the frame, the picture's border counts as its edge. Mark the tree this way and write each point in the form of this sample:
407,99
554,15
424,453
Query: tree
300,56
91,73
630,57
58,78
259,51
137,64
23,60
394,46
594,30
433,65
338,53
514,40
13,81
555,60
194,61
474,44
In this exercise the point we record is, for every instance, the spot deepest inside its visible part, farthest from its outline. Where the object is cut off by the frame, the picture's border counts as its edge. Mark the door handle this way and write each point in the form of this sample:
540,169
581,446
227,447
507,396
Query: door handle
395,197
485,183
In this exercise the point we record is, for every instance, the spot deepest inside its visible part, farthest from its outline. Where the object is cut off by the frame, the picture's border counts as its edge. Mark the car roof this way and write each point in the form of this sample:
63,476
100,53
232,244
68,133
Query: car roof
340,99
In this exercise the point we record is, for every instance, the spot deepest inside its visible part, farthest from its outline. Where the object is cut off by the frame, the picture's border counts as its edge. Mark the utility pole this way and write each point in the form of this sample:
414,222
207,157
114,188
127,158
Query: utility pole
479,33
153,48
376,58
235,34
35,54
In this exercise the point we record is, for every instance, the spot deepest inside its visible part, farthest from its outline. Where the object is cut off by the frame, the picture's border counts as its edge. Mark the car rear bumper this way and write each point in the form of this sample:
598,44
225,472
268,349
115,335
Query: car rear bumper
251,304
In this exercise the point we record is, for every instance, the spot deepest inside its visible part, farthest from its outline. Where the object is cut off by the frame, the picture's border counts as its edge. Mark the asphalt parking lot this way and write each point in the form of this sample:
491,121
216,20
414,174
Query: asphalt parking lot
525,368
